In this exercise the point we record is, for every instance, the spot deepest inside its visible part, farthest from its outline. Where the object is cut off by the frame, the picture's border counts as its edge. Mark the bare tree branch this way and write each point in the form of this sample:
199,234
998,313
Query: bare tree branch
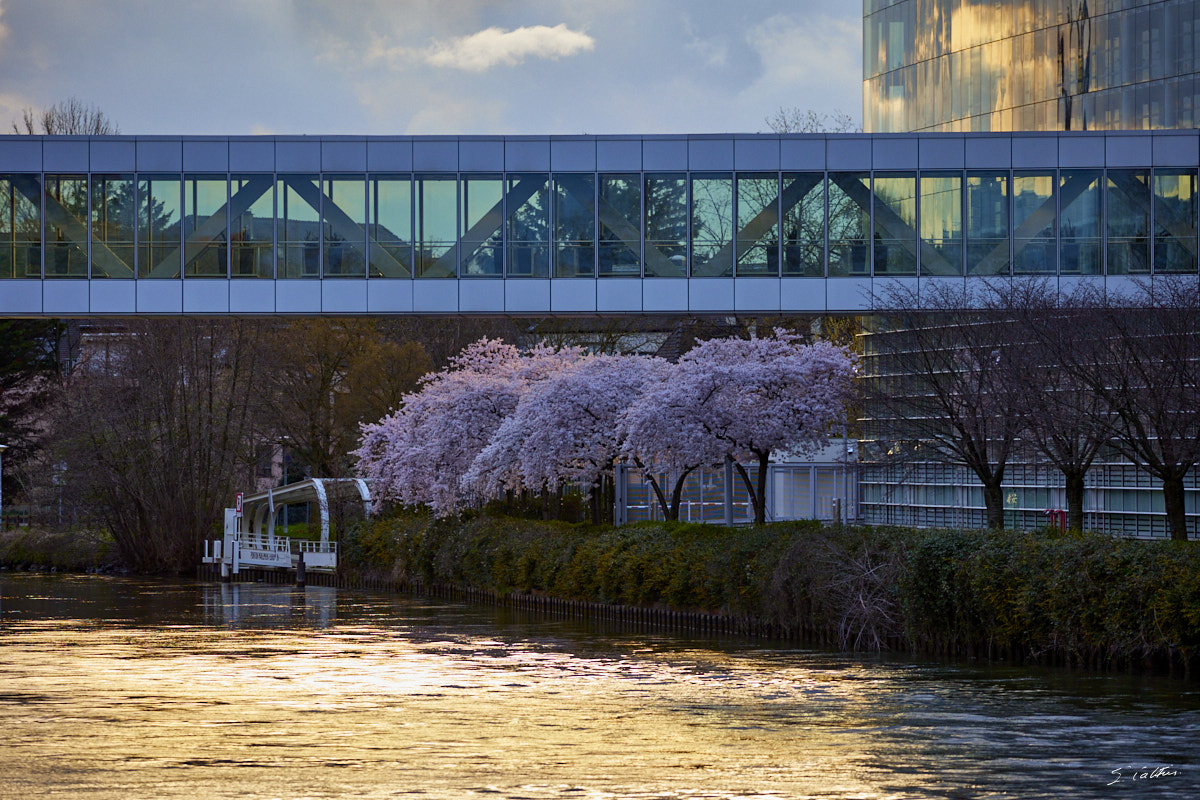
70,117
798,120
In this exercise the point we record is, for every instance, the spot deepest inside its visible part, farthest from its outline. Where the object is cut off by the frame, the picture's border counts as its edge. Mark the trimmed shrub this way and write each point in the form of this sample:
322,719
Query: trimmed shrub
1040,594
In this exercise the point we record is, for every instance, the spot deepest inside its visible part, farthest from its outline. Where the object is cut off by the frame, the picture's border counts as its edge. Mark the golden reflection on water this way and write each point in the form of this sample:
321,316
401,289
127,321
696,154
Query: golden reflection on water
382,698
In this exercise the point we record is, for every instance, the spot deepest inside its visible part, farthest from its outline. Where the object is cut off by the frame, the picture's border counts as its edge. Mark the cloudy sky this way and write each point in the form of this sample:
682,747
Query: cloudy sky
432,66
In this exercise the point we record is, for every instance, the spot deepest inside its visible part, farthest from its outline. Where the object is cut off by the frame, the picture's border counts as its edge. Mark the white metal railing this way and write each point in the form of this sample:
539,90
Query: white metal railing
241,548
256,541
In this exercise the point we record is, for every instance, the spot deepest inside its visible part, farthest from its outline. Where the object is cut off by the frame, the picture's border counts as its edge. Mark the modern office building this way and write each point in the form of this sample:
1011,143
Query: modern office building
576,224
1037,65
1010,65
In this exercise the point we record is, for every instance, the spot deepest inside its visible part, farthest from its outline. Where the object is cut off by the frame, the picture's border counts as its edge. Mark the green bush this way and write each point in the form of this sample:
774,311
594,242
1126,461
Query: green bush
872,587
70,551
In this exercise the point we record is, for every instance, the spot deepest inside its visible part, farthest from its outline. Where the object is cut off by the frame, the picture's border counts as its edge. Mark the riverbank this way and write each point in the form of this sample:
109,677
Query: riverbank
37,550
1037,598
1041,597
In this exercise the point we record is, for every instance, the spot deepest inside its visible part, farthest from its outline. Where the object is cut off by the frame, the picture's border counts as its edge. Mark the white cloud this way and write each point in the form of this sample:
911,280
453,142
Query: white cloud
3,27
492,47
811,64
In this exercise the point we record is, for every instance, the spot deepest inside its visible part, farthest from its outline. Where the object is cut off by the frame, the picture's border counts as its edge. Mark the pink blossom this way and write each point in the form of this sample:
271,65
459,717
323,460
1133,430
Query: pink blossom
743,400
564,428
418,454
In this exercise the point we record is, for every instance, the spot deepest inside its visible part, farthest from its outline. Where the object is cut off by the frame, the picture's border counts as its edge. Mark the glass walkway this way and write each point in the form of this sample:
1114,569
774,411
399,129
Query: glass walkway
95,226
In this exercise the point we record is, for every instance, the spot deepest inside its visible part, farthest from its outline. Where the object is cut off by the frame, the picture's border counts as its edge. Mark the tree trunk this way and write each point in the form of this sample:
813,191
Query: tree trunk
1074,500
1173,502
658,492
760,501
677,494
610,499
993,498
757,489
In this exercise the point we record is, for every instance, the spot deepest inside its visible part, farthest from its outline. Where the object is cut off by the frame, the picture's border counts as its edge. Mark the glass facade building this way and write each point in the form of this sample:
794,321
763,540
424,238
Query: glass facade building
1004,65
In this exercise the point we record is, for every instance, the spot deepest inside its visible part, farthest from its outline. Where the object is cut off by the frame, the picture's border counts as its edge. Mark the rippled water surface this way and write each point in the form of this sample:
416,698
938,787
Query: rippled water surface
125,690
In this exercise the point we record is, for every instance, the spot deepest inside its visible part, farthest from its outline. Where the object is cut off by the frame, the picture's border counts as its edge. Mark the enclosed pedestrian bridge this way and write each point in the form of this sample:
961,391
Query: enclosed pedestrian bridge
570,225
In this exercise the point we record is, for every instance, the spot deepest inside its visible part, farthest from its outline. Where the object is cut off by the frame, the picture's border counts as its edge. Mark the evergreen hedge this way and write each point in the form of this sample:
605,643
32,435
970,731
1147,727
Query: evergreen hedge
1034,596
67,551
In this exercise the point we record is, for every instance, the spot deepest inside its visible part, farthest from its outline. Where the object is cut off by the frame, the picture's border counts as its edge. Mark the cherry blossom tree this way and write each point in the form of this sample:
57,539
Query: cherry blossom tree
661,433
419,453
763,395
779,395
738,399
496,420
564,429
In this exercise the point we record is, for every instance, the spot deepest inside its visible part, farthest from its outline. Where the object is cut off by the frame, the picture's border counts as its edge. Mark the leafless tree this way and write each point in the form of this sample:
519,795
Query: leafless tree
156,433
1141,356
1064,419
806,120
937,385
71,117
326,377
445,337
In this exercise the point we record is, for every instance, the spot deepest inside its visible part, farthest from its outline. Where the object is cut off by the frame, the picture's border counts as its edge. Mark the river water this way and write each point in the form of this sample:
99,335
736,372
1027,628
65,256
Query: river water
133,690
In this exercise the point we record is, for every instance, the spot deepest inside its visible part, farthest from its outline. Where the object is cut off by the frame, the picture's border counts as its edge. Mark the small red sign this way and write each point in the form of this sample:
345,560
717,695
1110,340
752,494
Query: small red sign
237,504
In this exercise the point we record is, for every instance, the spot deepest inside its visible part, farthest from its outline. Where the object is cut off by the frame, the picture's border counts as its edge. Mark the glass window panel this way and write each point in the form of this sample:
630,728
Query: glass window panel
436,201
895,224
204,226
390,207
482,220
758,224
574,226
528,207
1174,221
159,252
66,226
712,226
344,226
1079,222
252,226
298,227
803,200
618,211
113,214
1128,222
849,224
941,224
1034,223
987,223
20,227
666,226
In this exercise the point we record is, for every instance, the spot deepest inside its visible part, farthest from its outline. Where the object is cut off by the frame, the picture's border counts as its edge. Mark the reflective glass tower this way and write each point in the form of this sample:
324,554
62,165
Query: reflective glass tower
1003,65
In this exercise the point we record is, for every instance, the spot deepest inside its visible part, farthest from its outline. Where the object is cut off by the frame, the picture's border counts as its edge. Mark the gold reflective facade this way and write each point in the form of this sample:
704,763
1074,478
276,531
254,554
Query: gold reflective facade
1004,65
